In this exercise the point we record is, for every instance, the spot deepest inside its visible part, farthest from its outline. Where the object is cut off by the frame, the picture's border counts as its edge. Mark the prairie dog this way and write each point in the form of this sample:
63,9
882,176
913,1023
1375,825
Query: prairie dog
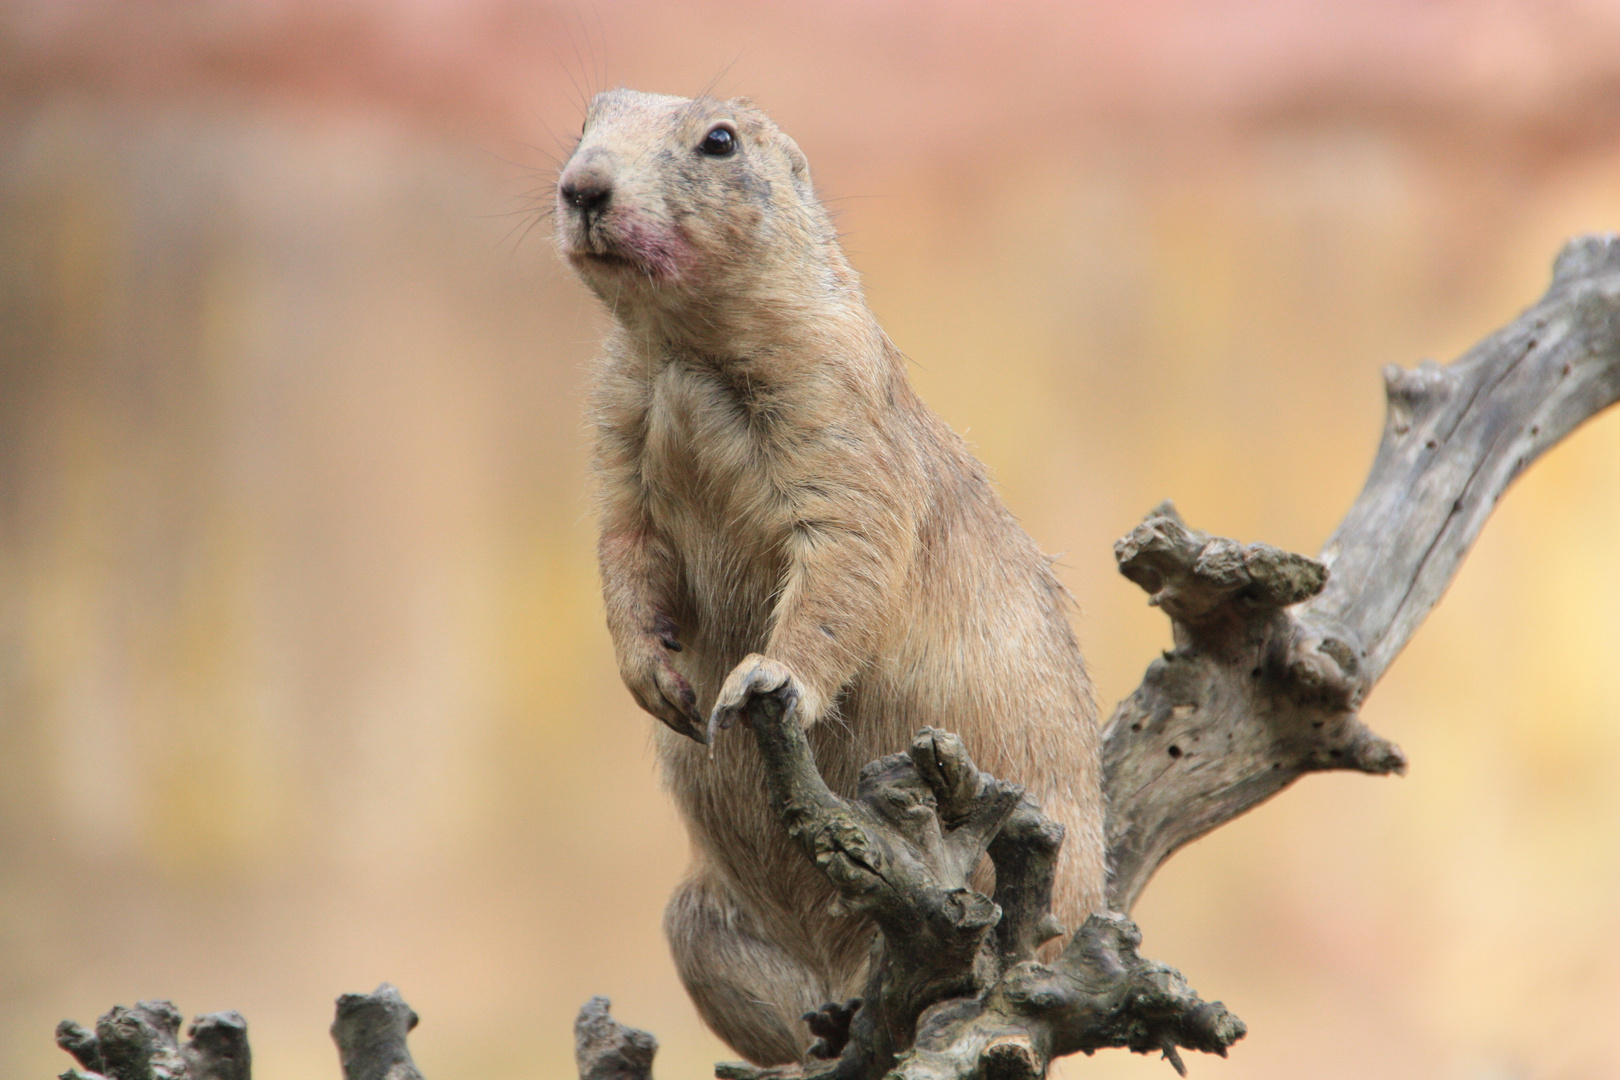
780,512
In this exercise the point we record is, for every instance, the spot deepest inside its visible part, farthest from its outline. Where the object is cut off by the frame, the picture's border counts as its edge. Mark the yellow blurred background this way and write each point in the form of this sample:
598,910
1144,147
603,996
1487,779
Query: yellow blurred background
303,681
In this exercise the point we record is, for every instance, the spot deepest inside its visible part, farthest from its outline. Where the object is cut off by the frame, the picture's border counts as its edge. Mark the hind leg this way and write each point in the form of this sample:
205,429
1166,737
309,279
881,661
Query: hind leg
751,992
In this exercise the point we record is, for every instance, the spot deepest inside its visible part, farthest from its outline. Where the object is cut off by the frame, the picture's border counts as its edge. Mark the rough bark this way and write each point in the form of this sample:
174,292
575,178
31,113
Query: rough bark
143,1043
955,991
370,1032
1273,655
605,1049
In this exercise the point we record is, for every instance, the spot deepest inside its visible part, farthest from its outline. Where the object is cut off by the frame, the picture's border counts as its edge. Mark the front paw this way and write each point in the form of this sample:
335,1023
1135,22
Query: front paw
664,692
755,675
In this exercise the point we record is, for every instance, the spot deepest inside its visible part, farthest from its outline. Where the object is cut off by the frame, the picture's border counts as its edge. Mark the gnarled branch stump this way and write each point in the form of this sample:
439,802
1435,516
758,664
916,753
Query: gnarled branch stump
1273,655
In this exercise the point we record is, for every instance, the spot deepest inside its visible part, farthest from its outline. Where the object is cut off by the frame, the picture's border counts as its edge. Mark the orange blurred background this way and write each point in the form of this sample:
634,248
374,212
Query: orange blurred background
303,681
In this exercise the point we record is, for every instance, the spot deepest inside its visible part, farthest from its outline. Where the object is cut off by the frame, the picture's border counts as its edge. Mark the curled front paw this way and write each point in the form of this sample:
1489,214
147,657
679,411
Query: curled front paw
664,692
756,674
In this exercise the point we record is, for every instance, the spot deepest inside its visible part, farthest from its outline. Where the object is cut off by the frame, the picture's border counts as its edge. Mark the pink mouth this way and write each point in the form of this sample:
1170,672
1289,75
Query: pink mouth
627,244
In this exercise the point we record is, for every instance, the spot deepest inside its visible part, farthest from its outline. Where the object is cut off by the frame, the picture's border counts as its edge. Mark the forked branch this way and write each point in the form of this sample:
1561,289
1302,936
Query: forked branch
1273,655
955,988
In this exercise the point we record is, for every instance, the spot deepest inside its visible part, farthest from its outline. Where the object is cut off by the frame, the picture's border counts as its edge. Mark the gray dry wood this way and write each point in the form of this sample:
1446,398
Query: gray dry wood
1274,654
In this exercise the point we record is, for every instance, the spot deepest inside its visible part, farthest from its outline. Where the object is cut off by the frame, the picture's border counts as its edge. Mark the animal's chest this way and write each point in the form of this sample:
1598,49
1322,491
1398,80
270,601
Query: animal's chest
712,485
707,458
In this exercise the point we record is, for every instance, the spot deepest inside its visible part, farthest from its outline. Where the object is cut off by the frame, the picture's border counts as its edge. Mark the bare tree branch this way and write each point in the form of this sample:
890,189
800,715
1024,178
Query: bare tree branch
143,1044
1274,653
605,1049
370,1032
955,991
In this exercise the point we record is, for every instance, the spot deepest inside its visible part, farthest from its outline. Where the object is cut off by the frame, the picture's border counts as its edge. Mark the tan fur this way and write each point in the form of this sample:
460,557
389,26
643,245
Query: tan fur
776,500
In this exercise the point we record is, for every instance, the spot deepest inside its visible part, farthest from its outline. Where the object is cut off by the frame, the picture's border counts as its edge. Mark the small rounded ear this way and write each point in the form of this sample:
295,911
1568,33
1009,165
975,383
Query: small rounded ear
798,162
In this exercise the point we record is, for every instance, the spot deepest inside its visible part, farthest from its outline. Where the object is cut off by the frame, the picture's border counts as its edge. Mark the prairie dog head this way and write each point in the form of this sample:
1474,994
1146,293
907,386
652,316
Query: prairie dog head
671,202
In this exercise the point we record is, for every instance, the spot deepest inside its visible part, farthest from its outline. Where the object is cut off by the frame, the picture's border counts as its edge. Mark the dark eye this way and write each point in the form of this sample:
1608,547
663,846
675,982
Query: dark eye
719,142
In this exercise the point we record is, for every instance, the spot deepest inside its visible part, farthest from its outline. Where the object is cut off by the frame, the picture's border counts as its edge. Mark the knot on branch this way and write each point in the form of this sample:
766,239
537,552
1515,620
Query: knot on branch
605,1049
1230,600
1413,396
1314,661
1262,687
1197,578
143,1044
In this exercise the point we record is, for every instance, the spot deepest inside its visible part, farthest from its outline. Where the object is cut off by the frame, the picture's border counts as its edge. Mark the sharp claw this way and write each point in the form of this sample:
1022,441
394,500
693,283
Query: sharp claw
724,715
695,728
714,728
683,723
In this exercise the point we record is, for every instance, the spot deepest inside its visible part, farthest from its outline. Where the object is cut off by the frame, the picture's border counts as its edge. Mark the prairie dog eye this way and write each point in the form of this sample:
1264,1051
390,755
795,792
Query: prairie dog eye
720,141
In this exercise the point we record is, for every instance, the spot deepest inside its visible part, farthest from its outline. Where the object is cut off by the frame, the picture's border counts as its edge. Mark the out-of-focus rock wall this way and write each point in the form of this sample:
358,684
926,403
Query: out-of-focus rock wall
303,684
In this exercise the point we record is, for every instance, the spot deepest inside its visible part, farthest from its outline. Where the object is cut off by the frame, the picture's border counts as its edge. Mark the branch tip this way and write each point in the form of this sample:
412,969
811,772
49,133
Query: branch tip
370,1031
81,1043
605,1049
1167,510
1587,256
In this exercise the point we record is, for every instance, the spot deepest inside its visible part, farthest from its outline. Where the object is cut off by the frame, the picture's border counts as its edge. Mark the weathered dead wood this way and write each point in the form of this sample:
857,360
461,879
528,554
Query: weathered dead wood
1274,653
370,1031
955,991
143,1043
605,1049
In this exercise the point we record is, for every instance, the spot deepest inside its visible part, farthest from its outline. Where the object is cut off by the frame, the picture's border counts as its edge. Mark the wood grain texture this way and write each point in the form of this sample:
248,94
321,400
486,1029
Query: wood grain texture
1274,653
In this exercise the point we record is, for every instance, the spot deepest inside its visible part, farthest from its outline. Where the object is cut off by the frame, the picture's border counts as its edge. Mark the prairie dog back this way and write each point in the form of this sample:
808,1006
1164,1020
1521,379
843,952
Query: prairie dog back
780,513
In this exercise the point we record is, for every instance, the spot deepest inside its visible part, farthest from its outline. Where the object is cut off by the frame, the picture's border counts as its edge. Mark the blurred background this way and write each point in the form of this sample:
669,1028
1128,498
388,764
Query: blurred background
303,681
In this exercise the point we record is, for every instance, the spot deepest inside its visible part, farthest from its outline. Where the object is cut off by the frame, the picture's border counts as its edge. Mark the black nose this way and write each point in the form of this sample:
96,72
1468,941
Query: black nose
588,192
